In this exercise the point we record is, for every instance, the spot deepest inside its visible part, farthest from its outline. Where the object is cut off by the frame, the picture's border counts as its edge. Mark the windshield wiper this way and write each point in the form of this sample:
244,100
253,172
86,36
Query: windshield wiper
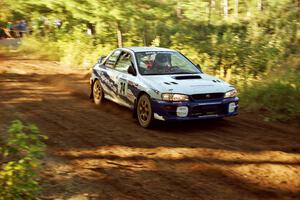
186,73
174,73
153,74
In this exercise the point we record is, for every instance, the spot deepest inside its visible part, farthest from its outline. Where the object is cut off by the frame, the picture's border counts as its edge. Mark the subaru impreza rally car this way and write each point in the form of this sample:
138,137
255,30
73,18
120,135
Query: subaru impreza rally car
161,84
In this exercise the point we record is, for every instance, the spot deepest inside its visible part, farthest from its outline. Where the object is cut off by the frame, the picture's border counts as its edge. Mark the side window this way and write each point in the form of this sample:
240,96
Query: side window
111,61
124,62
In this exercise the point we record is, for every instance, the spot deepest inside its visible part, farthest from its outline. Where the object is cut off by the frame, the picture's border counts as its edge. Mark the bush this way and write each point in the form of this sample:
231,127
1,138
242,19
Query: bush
41,48
20,162
278,98
82,53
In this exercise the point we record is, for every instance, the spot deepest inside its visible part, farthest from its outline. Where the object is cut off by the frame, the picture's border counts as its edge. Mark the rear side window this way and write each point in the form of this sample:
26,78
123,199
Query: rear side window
124,62
111,61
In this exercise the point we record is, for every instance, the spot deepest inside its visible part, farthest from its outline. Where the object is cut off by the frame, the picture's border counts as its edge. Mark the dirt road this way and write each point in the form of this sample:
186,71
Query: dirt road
102,153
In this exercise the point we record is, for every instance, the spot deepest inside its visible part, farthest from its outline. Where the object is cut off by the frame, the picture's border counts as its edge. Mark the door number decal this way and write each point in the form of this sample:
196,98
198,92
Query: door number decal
123,87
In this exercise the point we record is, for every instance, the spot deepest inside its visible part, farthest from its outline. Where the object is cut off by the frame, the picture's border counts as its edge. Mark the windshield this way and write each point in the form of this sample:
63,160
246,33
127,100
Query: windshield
164,62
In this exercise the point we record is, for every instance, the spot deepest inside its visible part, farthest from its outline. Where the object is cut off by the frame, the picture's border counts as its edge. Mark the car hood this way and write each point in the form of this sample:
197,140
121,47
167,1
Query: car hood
187,84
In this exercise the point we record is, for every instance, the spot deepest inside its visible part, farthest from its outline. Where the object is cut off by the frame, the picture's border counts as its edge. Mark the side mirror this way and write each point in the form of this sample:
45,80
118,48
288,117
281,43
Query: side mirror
101,59
131,70
199,67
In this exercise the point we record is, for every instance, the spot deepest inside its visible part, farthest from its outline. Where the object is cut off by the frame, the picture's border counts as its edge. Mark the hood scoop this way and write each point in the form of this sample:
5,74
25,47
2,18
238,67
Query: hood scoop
187,77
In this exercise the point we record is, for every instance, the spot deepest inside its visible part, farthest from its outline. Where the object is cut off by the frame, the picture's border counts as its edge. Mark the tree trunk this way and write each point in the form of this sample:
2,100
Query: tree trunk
298,5
178,9
260,5
225,8
212,5
209,11
228,73
145,36
119,35
236,8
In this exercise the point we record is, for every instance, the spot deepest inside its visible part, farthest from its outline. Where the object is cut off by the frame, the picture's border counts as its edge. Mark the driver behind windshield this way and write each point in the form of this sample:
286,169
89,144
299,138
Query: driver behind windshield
162,62
159,63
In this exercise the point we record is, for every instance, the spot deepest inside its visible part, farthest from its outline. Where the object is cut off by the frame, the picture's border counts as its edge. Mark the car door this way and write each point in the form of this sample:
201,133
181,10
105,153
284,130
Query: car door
123,78
109,76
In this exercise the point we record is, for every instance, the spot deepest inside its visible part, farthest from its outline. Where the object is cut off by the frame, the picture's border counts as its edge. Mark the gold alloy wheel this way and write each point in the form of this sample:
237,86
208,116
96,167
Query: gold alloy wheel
97,92
144,111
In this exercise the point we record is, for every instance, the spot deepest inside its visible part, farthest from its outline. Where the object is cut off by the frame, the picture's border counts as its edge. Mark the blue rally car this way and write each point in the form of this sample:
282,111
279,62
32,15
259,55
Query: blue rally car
160,84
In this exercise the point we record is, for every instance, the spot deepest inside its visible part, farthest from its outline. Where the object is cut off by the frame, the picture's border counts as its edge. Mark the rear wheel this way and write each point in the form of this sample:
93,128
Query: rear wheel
144,111
97,93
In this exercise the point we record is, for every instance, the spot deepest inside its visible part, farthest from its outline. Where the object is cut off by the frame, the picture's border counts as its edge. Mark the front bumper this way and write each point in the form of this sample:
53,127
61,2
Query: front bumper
164,110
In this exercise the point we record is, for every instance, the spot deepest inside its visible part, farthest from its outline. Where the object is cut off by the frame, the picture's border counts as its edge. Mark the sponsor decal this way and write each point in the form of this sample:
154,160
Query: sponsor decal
155,52
133,84
105,79
154,90
123,87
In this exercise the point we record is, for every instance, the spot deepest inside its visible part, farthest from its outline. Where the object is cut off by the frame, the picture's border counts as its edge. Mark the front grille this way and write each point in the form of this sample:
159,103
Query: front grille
207,96
209,110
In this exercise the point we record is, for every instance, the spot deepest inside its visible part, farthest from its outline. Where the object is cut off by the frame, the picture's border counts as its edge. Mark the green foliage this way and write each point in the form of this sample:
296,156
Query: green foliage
74,53
41,48
20,162
277,98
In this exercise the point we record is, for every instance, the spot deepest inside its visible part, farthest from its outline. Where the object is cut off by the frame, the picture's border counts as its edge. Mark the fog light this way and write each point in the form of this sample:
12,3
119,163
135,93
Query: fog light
231,107
182,111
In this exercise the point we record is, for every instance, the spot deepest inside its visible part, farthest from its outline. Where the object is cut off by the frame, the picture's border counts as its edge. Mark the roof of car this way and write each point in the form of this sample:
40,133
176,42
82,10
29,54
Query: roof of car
143,49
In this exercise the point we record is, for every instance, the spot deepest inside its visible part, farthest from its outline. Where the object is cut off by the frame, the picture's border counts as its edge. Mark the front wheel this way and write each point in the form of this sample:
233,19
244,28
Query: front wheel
144,111
97,93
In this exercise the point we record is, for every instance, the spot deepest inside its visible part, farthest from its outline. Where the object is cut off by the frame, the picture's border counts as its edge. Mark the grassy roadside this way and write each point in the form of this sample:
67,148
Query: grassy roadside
277,98
77,54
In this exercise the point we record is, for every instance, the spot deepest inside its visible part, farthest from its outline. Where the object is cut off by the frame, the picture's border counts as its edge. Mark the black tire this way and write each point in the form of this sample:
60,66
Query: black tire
98,94
144,111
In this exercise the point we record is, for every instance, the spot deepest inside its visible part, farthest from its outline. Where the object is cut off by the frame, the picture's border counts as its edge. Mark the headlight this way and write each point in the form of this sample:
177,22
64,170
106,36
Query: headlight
231,93
174,97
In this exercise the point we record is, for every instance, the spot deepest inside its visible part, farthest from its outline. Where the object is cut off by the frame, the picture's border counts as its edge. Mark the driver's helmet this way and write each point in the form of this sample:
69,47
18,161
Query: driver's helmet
162,60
